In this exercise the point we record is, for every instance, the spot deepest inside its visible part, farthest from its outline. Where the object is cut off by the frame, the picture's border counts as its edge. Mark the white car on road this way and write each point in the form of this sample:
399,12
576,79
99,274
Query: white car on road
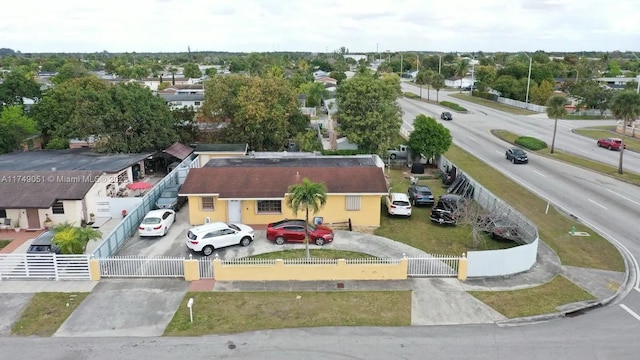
208,237
157,222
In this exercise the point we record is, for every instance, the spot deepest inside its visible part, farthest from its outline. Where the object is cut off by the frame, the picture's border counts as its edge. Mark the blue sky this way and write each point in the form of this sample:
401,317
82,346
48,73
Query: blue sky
320,26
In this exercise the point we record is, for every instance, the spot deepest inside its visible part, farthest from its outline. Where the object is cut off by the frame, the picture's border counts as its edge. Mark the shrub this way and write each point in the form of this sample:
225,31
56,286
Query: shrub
531,143
411,95
584,117
452,105
485,95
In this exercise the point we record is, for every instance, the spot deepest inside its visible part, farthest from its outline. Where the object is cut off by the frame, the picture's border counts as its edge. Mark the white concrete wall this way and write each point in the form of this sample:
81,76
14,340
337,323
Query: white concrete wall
502,262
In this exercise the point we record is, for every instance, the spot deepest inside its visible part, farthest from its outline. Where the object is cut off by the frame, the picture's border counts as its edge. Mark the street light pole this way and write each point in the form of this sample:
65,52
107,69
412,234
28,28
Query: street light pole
528,82
473,71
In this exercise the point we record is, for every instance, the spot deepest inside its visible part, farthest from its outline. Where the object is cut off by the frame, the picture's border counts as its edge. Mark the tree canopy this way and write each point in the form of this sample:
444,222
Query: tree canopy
429,137
367,110
15,126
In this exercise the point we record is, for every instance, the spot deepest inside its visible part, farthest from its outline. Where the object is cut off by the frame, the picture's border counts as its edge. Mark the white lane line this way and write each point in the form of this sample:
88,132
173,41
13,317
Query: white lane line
539,173
636,289
597,204
500,152
472,139
631,312
622,196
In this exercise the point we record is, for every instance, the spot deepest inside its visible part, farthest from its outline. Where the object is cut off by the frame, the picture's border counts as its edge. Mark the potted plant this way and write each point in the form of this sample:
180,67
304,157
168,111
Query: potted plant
16,225
48,223
92,217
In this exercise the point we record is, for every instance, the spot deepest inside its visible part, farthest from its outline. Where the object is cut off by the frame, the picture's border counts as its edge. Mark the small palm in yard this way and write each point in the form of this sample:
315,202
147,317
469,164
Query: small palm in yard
72,239
555,109
307,196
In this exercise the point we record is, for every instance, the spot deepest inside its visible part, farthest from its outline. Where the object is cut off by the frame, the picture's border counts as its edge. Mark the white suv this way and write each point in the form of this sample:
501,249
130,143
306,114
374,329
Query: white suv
398,204
206,238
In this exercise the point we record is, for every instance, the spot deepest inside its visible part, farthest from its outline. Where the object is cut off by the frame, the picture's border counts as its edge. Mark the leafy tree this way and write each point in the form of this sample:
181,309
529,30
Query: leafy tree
429,137
73,240
308,141
306,196
314,91
192,71
15,126
338,75
18,85
437,81
211,72
485,74
186,126
541,93
626,107
68,71
556,109
367,110
507,86
275,71
592,95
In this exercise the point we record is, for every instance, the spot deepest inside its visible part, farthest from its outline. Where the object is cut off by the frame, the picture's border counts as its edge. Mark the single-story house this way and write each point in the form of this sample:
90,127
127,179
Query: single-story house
207,152
65,184
253,190
178,101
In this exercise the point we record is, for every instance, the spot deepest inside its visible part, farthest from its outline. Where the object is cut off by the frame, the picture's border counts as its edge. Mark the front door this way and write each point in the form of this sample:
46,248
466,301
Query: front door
234,211
33,219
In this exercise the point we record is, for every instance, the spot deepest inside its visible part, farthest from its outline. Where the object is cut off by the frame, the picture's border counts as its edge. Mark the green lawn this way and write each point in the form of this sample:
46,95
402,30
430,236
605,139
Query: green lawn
600,132
492,104
4,242
543,299
315,253
235,312
46,312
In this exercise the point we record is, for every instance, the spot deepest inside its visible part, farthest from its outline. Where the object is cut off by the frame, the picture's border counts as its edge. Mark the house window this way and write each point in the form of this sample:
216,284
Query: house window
196,103
57,208
3,213
270,206
353,202
208,203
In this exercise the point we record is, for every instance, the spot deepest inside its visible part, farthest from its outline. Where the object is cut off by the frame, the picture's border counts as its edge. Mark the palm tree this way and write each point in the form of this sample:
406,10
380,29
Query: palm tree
461,70
424,78
306,196
437,81
555,109
626,107
73,240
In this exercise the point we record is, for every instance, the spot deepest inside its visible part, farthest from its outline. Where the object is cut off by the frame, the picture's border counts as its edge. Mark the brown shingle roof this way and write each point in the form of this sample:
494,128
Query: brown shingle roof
181,151
40,189
273,182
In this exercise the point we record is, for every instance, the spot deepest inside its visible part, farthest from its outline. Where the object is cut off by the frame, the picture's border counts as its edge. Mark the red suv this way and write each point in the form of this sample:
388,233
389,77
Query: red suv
292,230
611,143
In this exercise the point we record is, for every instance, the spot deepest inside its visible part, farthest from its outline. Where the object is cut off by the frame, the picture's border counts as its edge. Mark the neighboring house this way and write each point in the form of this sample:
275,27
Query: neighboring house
320,73
63,183
207,152
456,82
327,80
177,79
179,101
253,190
183,90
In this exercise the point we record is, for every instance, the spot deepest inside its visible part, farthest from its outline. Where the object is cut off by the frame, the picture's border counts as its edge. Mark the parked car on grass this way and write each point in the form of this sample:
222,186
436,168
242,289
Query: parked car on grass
209,237
157,222
446,116
420,195
611,143
445,210
169,199
398,204
43,244
516,156
293,230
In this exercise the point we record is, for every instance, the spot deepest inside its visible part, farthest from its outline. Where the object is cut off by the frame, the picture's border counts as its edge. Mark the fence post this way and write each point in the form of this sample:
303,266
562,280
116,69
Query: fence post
94,269
191,270
463,268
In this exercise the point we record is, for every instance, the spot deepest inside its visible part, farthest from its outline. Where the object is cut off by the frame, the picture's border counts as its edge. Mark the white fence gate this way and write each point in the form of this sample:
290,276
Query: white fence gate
141,267
44,267
205,266
433,265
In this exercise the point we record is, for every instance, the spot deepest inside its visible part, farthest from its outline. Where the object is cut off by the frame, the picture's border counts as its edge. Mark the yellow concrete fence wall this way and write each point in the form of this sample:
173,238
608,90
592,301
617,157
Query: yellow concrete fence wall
310,272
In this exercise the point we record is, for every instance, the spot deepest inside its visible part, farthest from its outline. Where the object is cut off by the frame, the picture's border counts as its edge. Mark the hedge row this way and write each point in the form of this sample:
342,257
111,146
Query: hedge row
411,95
452,105
531,143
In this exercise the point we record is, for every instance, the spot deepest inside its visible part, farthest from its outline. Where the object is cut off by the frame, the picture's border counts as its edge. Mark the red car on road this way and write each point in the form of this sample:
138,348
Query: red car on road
611,143
293,230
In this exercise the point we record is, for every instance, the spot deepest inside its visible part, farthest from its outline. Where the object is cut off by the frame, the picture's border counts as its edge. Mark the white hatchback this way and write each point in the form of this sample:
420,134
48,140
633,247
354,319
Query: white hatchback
208,237
398,204
157,222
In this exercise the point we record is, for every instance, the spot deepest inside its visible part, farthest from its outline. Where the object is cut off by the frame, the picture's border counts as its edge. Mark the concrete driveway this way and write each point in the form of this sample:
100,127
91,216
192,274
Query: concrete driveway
139,307
12,306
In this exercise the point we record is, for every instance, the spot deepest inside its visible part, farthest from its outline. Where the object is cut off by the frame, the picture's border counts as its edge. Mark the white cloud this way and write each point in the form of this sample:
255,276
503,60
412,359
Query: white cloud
312,25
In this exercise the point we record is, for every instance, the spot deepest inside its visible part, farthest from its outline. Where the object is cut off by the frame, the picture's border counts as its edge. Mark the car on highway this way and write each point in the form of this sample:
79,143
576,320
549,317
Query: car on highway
446,116
209,237
398,204
445,211
157,222
293,230
611,143
169,199
516,156
420,195
43,244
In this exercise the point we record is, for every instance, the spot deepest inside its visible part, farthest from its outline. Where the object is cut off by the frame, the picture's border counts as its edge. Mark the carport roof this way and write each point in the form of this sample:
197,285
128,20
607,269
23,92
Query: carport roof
178,150
40,189
68,160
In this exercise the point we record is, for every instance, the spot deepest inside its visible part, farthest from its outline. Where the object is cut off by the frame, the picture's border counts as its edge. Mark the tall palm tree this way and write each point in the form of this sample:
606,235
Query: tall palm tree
437,81
555,109
423,78
306,196
626,107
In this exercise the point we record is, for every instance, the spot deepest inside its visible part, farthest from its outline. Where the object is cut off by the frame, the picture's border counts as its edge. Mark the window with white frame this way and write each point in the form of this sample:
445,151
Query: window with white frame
57,207
269,206
353,202
208,203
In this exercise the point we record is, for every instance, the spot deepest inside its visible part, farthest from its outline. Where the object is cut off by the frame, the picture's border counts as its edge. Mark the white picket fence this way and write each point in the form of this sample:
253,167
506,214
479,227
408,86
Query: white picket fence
44,267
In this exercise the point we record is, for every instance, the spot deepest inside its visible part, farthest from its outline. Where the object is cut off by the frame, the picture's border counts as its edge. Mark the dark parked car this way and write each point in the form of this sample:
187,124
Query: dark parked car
293,230
446,116
517,156
420,195
611,143
445,210
169,199
42,244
